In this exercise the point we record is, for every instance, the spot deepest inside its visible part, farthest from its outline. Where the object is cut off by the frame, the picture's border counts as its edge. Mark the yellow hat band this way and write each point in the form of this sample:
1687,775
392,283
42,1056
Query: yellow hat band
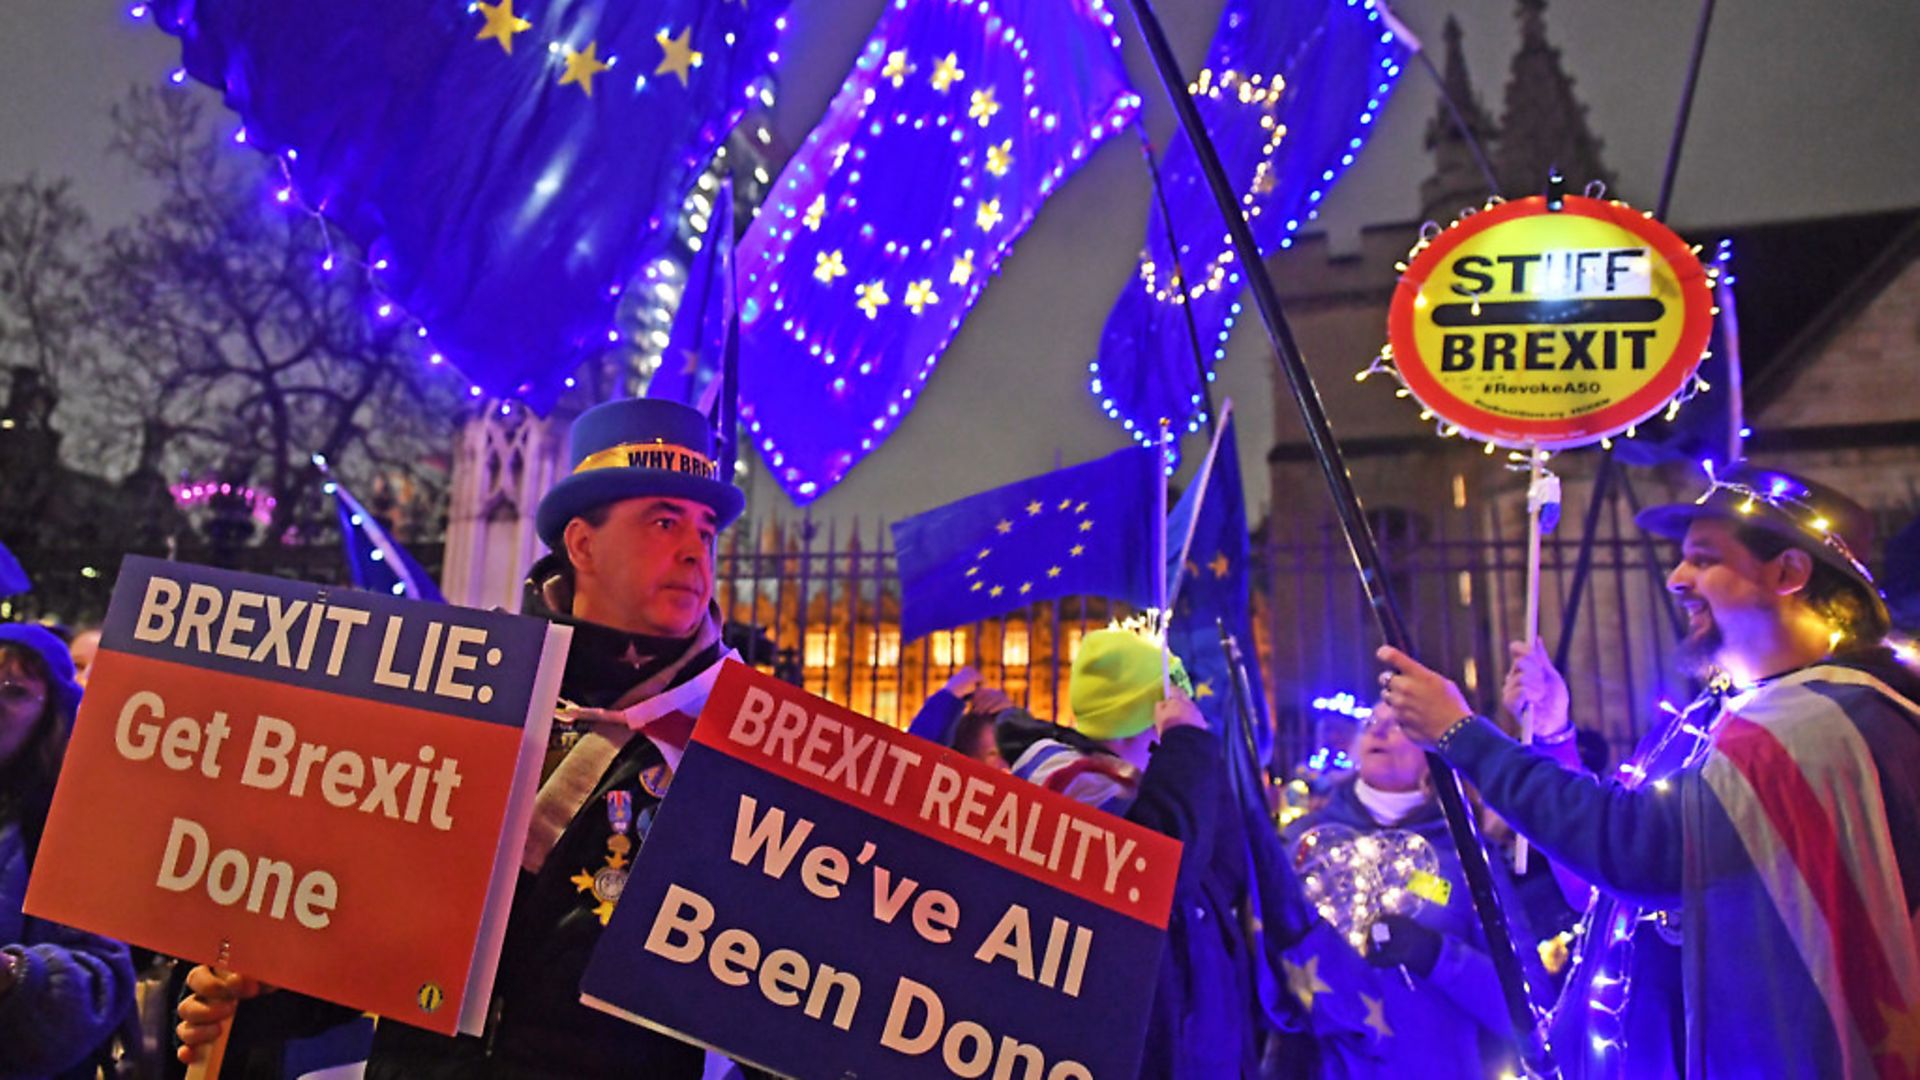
660,456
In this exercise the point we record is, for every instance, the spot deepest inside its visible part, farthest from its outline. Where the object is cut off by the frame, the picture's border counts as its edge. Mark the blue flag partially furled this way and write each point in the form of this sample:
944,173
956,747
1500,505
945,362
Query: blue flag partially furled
1080,531
689,369
507,167
1213,588
1289,94
375,559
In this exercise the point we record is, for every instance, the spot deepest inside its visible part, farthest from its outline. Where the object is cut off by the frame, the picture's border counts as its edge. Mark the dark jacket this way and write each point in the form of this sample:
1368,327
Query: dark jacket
1203,1021
536,1026
74,991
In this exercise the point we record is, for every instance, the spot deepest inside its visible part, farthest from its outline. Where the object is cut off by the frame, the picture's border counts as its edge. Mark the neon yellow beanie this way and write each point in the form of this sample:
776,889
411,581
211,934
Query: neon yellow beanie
1116,684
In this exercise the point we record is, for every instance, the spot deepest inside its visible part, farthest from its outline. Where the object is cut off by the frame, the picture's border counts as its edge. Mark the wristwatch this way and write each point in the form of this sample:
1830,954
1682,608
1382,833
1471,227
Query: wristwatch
13,968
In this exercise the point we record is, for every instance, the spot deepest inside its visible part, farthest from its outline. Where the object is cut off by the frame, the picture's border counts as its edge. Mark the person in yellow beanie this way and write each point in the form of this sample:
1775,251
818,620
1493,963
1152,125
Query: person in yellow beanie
1147,755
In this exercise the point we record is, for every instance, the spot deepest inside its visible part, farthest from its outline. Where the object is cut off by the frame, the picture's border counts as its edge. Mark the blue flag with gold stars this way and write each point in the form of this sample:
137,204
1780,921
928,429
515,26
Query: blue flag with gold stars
955,125
507,167
1289,94
1080,531
689,369
1213,587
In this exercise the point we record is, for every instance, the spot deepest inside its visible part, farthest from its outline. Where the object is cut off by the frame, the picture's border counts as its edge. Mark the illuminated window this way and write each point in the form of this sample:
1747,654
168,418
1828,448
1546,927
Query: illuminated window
949,648
823,647
887,654
1013,646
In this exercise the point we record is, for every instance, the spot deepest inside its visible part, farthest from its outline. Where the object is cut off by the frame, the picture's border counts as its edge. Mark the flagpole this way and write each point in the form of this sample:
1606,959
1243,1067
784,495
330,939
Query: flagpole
1160,481
1360,540
1536,504
1199,500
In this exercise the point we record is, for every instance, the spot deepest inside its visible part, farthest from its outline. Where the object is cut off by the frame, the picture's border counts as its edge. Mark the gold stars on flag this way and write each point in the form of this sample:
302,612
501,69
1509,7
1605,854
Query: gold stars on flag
1077,550
999,158
502,24
962,268
1004,527
1053,571
816,212
996,591
1219,565
988,215
897,69
947,72
983,106
1304,980
1034,508
582,67
677,56
1087,525
873,296
1064,504
1377,1015
828,265
920,294
1026,587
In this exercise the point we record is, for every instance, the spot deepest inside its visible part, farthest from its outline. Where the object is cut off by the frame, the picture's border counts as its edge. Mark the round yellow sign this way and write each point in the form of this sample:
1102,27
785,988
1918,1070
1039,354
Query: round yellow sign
1527,326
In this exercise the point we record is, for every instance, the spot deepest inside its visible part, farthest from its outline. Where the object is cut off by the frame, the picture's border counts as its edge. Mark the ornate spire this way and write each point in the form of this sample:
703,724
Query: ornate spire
1544,125
1457,181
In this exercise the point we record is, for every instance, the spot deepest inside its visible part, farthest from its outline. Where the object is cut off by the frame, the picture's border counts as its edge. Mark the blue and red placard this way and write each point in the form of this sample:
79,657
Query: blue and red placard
824,896
329,786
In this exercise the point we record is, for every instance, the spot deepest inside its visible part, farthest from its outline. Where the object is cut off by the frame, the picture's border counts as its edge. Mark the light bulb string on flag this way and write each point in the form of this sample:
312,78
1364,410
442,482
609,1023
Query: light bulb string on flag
574,67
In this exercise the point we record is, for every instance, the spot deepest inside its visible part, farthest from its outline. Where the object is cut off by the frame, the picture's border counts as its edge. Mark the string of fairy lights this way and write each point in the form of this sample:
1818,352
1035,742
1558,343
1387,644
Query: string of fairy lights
569,65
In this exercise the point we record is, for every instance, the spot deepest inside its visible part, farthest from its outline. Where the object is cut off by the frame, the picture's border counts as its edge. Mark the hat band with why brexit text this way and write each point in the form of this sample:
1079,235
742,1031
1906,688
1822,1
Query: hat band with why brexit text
662,456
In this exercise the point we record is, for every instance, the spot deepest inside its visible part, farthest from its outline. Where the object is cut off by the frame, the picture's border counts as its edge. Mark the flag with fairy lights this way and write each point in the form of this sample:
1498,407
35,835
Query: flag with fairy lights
1079,531
959,119
374,558
507,167
1209,587
689,370
1289,94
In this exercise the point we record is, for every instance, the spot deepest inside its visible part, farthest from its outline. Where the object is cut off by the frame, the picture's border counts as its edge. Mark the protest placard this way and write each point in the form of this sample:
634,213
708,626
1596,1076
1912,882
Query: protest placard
824,896
332,784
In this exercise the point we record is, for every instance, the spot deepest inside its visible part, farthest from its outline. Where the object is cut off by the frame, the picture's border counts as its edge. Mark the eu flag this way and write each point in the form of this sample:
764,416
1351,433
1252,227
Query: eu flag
1213,590
1085,530
507,166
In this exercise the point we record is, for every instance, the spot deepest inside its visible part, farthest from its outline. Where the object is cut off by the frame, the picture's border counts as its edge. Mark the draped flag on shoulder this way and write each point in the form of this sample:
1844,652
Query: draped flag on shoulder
1084,530
1207,544
374,557
689,369
1794,869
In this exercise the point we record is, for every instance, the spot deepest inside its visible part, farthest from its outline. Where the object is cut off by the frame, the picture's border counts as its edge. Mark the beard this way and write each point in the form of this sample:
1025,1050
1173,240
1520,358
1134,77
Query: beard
1696,652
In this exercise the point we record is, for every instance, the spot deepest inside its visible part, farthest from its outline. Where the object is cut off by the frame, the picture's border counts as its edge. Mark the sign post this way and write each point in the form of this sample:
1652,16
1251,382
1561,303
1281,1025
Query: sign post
824,896
326,789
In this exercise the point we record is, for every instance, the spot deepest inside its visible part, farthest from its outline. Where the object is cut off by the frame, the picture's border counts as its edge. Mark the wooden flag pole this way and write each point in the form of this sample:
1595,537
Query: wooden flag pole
1536,502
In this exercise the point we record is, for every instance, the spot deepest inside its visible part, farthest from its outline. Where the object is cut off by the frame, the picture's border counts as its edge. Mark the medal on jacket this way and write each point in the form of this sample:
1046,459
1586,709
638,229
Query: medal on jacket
607,883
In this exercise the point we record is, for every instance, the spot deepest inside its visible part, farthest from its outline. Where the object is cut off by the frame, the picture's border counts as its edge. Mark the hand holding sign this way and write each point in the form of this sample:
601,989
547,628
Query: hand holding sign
825,896
306,762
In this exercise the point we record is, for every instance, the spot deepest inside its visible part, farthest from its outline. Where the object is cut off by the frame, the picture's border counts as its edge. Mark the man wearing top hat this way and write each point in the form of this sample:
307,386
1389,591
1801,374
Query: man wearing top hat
1792,849
632,531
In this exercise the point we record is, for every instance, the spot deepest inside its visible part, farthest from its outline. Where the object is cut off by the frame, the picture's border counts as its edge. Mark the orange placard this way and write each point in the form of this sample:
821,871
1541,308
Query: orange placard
1528,326
254,770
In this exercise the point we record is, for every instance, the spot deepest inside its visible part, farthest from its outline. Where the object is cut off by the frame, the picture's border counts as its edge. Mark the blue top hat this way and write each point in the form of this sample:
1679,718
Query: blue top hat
634,448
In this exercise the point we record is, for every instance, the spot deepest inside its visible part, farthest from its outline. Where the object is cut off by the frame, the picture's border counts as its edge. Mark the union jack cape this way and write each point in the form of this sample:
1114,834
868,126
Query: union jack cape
1801,866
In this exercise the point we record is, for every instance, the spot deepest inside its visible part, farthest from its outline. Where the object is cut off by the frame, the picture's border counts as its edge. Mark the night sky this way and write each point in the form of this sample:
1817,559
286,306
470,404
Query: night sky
1804,110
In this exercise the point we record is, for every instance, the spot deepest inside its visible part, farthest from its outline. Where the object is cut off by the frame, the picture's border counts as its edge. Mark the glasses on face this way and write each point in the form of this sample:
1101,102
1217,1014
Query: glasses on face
15,695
